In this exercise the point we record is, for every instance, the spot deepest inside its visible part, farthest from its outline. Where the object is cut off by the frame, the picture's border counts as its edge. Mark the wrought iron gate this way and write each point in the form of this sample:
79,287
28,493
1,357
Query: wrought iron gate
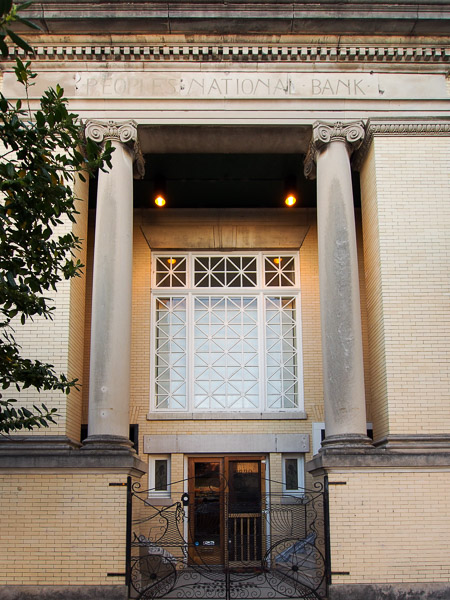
274,550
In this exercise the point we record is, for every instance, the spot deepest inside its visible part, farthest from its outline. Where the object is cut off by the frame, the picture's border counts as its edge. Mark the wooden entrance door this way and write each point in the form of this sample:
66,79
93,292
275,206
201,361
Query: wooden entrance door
225,508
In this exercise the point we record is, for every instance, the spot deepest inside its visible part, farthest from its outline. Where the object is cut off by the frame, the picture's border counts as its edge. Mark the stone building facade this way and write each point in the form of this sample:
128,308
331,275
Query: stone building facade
309,343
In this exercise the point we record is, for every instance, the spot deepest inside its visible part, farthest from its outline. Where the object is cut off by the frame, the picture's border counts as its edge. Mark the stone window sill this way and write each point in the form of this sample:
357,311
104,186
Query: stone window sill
226,416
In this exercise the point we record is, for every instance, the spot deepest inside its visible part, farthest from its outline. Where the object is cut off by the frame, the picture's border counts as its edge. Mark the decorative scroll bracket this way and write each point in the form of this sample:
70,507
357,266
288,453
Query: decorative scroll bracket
324,133
125,133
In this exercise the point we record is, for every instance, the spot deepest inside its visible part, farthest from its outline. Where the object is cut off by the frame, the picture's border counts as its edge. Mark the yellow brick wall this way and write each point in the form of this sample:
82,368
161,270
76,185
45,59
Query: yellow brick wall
59,341
379,407
77,316
88,313
62,528
406,220
311,340
390,527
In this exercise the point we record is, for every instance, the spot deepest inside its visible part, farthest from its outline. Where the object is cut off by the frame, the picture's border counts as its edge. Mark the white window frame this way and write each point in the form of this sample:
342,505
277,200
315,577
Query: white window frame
152,493
260,290
300,457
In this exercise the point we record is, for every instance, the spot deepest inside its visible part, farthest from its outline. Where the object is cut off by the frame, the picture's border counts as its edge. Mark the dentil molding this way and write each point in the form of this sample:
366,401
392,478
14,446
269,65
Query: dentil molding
173,52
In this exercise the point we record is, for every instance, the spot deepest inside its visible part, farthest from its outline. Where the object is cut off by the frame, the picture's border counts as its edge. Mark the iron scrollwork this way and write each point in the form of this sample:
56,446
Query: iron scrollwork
275,553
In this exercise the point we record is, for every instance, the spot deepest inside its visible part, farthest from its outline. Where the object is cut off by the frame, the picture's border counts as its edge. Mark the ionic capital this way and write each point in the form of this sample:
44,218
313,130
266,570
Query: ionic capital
124,132
325,133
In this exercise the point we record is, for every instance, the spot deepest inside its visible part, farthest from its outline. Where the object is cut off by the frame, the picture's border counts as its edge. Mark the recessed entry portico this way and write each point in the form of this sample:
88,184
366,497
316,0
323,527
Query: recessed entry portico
225,330
222,232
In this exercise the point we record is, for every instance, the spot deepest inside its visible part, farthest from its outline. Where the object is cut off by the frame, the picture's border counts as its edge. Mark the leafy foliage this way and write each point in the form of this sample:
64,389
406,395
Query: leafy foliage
42,154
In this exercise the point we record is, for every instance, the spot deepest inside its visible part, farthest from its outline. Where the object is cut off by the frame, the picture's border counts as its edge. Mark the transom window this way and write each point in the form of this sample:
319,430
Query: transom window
226,333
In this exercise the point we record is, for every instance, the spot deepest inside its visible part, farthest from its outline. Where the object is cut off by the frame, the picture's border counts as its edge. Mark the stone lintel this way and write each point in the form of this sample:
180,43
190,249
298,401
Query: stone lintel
373,458
226,443
389,591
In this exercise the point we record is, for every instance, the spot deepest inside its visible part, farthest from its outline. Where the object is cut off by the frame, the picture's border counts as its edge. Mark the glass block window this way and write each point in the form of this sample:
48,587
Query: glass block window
237,350
281,355
171,357
226,366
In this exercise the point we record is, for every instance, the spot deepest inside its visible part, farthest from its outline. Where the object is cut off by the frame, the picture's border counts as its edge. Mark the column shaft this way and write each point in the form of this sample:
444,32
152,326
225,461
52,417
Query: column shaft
343,371
109,385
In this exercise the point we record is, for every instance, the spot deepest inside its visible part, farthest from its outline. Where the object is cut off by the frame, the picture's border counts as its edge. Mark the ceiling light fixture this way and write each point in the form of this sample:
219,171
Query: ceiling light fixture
290,188
159,191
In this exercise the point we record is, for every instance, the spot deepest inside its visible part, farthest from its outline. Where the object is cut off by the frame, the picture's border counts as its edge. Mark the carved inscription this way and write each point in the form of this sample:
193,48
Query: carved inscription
223,85
233,85
350,86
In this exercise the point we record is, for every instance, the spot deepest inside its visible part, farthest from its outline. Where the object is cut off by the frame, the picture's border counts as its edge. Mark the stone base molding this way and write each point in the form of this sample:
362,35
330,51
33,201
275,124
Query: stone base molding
367,457
54,452
415,443
389,591
75,592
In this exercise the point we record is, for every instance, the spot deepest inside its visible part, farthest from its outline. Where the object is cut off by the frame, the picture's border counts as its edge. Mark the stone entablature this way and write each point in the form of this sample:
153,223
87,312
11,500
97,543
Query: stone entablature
210,52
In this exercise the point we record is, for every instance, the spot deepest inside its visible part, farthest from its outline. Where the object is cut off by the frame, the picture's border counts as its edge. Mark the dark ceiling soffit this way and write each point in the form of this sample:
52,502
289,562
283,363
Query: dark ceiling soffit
427,17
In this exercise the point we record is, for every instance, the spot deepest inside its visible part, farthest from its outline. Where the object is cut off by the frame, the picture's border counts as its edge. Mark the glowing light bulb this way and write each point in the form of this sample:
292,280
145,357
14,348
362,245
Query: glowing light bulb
171,261
160,201
278,260
290,200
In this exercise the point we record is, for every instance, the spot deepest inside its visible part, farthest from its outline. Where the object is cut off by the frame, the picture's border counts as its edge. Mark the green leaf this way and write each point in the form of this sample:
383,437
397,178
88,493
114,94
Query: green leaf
3,46
40,119
19,41
27,22
24,5
5,6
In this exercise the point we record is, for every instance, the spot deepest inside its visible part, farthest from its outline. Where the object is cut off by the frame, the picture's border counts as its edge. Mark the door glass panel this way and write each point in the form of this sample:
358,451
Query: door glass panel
207,510
244,514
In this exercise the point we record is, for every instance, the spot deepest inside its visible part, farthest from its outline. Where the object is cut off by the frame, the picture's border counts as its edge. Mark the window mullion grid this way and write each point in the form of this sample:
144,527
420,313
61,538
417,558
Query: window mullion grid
190,345
299,351
262,352
153,359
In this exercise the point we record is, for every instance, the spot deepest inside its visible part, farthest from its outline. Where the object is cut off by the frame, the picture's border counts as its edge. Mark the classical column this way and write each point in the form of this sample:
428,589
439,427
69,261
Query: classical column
109,385
343,375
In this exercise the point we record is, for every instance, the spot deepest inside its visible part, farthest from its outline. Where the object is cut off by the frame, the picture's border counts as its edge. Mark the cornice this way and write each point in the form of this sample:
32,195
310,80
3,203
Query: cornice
168,52
408,17
394,127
